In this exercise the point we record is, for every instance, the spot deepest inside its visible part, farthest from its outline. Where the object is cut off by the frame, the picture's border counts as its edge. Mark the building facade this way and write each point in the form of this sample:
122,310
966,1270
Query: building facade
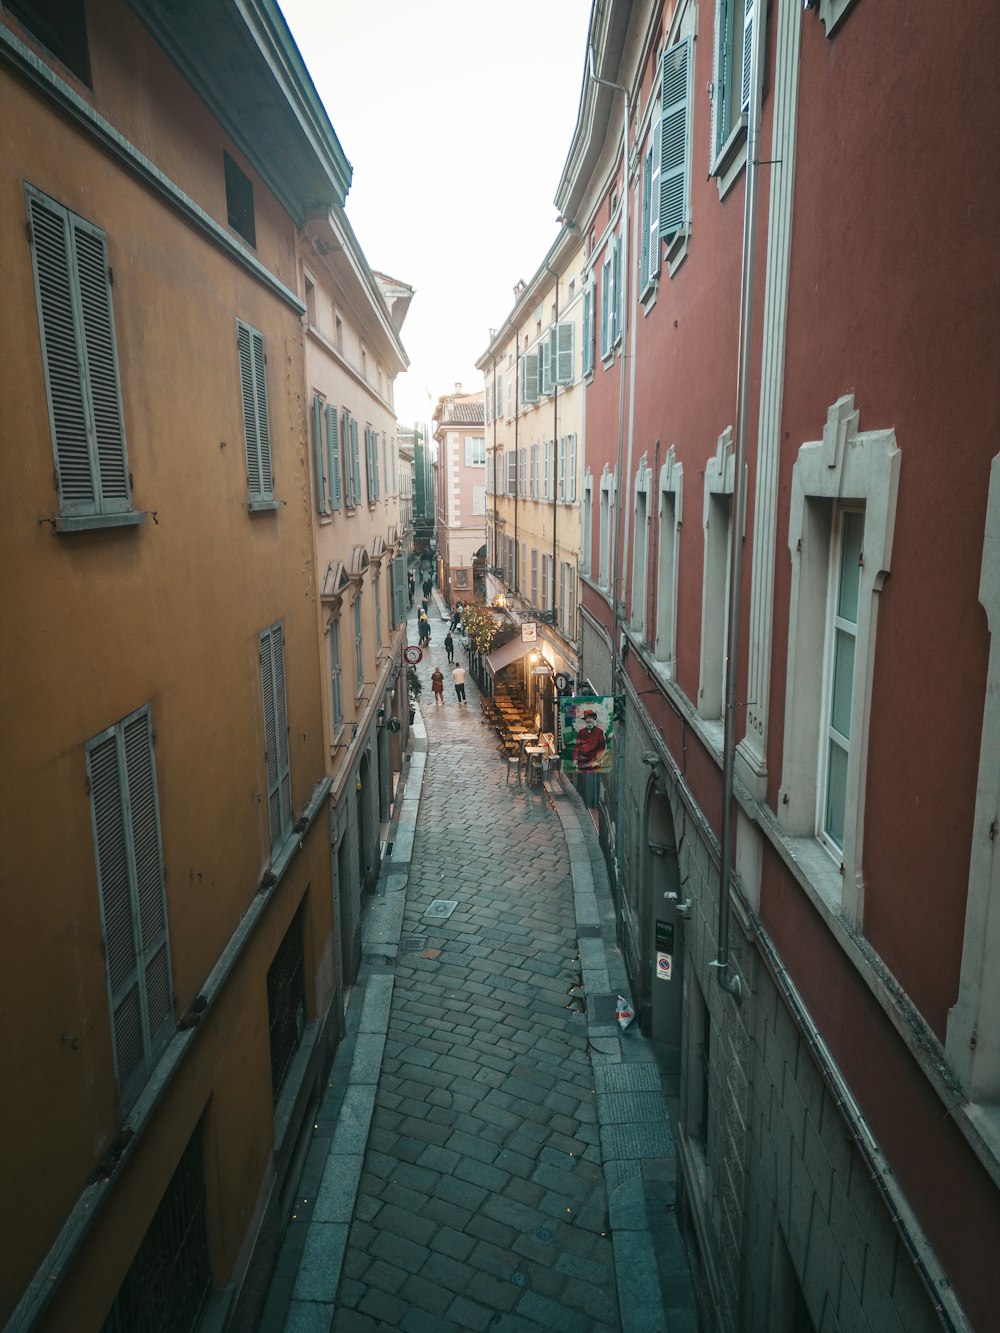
171,899
533,372
460,488
801,826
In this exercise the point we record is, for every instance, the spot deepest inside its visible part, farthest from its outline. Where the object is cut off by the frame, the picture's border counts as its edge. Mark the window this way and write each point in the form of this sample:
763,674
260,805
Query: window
607,501
547,586
310,302
675,170
522,471
567,599
731,99
511,472
172,1269
533,483
666,563
561,341
588,328
587,523
333,463
279,781
335,668
529,377
371,463
338,332
475,451
839,564
546,365
286,1003
500,395
398,568
479,499
640,550
60,25
256,431
319,458
548,478
80,359
359,658
121,774
607,305
377,587
352,461
534,576
239,200
571,468
842,633
649,254
523,583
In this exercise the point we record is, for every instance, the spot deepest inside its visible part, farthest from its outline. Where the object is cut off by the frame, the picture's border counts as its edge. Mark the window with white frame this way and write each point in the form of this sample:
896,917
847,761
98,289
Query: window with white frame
335,672
534,576
676,96
499,410
649,226
511,472
717,515
271,653
535,449
475,451
669,519
587,521
479,499
548,469
359,649
546,582
731,82
839,565
121,775
607,501
561,341
377,588
523,582
570,473
640,550
567,599
80,359
522,469
545,380
589,327
529,377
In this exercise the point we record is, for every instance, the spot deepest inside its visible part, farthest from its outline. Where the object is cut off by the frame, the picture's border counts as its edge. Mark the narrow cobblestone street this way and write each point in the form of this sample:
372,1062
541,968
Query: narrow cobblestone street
480,1112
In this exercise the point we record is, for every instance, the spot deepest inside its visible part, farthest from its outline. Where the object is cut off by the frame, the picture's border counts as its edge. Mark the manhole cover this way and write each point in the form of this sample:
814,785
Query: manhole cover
415,943
441,908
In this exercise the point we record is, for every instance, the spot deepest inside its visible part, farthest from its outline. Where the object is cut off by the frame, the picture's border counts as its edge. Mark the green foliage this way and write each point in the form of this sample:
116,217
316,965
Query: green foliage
481,625
413,684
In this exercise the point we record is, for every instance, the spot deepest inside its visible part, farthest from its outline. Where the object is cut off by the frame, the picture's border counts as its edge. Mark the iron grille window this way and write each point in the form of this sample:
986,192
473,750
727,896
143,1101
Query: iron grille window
170,1279
286,1004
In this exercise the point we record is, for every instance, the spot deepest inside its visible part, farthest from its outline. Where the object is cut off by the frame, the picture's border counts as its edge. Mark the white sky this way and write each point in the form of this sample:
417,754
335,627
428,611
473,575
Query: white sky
456,116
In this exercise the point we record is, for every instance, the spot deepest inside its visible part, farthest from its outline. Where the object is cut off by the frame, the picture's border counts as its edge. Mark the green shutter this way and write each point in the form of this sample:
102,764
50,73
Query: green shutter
125,814
333,457
547,357
272,681
76,323
529,377
616,303
588,328
606,293
355,461
747,44
563,357
398,589
256,433
647,185
319,456
654,200
673,149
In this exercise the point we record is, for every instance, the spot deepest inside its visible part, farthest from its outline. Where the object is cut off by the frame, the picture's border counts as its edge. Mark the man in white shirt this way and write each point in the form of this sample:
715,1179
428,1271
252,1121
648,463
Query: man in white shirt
458,679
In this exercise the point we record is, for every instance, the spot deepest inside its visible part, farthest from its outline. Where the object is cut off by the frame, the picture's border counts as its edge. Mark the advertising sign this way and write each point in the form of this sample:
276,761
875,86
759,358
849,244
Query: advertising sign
664,950
587,741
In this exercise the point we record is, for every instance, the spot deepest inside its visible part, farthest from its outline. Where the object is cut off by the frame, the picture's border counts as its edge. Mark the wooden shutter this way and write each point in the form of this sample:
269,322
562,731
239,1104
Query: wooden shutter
355,461
747,44
398,589
647,185
546,352
319,456
606,299
127,846
333,457
80,359
272,681
654,200
673,155
256,433
588,328
564,353
529,377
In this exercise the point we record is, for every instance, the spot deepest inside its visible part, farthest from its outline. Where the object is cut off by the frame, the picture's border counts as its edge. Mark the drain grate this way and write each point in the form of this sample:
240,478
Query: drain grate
414,943
441,908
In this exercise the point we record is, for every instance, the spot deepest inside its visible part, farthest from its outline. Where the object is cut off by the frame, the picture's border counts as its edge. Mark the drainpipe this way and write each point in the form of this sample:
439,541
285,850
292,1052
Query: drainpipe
517,456
555,451
731,983
496,507
616,566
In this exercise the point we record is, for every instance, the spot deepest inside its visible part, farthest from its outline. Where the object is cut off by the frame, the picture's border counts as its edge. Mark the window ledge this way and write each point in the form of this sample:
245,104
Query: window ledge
731,157
90,522
677,248
263,506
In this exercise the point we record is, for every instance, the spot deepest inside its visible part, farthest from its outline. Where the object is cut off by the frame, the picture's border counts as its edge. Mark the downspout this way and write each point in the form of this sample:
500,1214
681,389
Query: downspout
555,450
517,456
616,568
496,506
732,983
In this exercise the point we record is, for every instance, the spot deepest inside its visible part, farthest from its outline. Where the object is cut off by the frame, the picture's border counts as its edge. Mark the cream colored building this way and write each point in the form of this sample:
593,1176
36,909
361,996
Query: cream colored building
460,495
352,357
533,380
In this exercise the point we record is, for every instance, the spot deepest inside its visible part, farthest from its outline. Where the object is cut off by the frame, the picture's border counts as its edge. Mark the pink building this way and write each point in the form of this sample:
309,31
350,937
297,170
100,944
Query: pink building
791,583
461,495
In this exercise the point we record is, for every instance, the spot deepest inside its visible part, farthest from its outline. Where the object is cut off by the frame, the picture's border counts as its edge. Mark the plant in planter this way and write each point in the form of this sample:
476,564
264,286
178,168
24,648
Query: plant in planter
414,686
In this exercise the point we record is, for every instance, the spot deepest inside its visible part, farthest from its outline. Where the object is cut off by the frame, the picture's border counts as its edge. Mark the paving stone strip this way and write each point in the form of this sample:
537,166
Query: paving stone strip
484,1104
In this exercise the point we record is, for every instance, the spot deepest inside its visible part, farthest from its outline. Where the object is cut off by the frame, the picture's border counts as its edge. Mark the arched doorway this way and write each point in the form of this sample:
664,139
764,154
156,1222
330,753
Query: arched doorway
663,927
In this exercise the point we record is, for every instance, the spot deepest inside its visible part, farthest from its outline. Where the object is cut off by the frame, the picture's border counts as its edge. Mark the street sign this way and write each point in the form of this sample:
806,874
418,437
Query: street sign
393,725
413,655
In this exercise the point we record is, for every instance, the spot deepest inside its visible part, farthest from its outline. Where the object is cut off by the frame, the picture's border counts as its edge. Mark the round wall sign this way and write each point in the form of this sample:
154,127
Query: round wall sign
562,682
392,725
413,655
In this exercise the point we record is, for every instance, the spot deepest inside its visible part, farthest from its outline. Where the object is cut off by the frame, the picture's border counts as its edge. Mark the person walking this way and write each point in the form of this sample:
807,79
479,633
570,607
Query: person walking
424,630
437,685
458,680
427,585
449,647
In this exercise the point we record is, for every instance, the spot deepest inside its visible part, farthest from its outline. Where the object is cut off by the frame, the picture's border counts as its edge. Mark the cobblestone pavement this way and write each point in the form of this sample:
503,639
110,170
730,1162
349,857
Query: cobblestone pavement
479,1109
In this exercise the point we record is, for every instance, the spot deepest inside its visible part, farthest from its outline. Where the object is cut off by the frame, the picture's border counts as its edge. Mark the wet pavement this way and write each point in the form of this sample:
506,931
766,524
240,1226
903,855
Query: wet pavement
493,1152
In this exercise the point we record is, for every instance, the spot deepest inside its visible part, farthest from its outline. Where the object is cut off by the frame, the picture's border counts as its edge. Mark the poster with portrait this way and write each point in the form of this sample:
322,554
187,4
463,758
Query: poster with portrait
588,723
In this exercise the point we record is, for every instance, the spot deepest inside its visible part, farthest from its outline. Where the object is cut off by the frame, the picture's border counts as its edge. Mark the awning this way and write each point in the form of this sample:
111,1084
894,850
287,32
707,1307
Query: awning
507,653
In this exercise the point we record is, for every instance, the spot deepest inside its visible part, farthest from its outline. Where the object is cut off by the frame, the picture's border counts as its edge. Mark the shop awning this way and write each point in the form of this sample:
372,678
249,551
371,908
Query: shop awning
507,653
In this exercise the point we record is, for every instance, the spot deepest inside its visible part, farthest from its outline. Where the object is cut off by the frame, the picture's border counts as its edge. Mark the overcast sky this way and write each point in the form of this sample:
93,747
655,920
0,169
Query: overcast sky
456,116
